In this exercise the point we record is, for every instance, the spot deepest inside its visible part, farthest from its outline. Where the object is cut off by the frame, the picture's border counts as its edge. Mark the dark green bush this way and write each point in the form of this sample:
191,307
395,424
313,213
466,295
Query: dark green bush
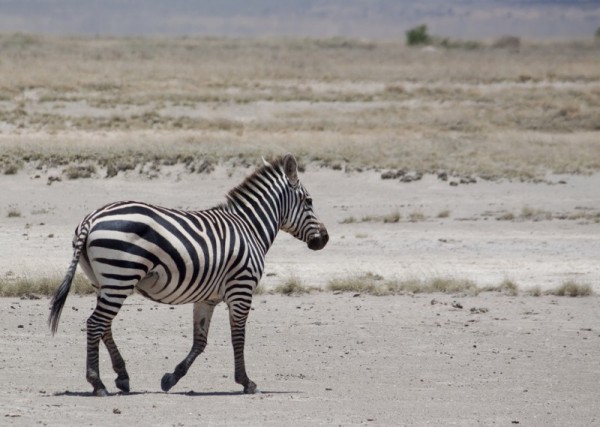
418,35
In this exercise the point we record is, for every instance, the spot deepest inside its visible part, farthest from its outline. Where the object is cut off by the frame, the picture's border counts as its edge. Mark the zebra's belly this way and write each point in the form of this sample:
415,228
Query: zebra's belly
156,287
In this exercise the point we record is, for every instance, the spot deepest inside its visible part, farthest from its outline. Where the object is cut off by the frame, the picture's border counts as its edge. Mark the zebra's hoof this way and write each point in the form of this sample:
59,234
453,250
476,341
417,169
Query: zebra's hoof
122,384
101,392
168,381
250,388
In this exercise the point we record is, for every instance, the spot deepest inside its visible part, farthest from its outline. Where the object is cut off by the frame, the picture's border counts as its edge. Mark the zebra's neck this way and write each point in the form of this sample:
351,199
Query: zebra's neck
259,200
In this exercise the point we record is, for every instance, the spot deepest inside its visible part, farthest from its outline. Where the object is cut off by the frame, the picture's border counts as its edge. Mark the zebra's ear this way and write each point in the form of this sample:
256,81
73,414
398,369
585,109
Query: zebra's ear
290,167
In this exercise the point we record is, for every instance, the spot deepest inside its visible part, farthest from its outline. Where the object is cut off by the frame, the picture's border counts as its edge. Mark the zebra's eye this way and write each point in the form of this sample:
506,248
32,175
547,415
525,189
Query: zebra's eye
309,202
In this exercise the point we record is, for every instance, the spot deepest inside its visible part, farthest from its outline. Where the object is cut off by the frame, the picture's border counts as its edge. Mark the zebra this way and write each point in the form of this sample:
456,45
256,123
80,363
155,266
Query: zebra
177,257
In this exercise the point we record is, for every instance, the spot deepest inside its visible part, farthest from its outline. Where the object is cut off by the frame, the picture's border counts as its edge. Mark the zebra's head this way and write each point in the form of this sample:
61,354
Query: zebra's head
299,218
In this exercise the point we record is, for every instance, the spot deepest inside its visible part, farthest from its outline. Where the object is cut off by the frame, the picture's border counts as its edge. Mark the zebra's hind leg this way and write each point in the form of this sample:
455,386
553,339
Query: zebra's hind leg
98,325
238,315
122,381
203,311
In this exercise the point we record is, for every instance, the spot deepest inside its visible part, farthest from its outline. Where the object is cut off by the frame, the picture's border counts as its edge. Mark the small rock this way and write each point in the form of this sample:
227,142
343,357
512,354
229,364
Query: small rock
453,183
116,411
456,304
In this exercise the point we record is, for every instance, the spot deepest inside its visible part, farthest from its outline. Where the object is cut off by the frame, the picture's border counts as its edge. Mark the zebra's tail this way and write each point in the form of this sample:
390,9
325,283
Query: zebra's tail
60,296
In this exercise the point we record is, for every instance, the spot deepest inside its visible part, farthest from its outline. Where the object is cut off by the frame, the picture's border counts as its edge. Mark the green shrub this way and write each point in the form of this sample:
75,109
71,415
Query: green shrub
417,36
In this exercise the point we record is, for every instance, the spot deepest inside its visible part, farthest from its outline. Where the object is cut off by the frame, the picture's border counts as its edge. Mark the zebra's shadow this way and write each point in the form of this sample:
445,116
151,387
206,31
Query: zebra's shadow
180,393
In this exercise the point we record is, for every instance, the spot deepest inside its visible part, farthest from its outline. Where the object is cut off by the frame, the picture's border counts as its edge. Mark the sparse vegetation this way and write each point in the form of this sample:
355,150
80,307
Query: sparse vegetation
528,213
507,287
392,217
41,286
533,214
260,290
11,168
374,284
416,216
348,220
572,289
293,286
536,291
13,212
364,283
80,171
512,116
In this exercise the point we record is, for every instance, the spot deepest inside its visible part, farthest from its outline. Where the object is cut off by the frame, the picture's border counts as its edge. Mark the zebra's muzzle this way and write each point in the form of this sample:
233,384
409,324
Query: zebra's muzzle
319,240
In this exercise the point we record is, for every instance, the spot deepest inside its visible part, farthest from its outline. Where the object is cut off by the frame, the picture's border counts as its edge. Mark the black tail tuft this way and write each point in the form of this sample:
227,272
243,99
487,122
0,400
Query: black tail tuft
60,296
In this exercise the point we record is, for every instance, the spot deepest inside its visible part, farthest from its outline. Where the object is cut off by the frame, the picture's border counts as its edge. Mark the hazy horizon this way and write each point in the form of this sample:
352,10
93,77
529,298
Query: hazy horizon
370,19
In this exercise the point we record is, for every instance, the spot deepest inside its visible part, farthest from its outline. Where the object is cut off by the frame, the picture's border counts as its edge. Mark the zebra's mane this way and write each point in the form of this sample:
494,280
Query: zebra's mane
276,165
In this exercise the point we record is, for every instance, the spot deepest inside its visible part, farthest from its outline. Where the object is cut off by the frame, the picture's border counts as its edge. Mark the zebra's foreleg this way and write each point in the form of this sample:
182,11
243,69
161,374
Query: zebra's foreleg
238,315
122,381
203,312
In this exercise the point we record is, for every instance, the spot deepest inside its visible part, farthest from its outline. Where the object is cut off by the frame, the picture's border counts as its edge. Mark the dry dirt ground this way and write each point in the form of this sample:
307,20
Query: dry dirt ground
323,358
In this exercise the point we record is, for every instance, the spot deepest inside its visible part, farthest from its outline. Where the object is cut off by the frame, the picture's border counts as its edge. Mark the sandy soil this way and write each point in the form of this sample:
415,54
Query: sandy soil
321,359
325,358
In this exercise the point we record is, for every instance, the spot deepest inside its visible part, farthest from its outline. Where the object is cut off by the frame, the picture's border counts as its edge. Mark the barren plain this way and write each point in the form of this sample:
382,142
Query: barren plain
491,160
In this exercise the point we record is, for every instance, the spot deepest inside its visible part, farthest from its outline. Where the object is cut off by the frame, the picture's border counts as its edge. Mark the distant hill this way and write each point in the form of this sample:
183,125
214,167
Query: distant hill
373,19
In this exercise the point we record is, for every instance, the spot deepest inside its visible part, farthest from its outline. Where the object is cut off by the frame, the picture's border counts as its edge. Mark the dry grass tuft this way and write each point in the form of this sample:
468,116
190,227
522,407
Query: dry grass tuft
293,286
43,286
536,291
572,289
374,284
391,218
80,171
507,287
13,212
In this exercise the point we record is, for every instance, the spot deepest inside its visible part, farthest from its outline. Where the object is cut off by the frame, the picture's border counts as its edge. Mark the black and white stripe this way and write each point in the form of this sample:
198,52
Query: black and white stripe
179,257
